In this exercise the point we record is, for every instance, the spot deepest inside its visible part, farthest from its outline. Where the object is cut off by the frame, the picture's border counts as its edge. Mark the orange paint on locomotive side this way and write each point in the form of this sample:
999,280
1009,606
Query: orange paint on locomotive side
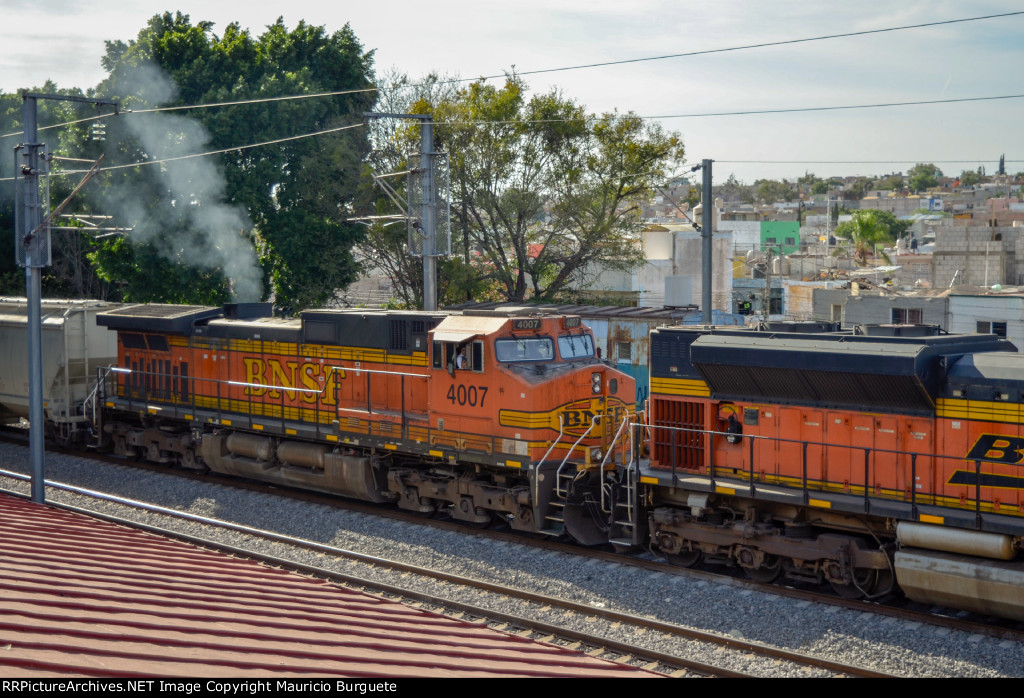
898,457
490,407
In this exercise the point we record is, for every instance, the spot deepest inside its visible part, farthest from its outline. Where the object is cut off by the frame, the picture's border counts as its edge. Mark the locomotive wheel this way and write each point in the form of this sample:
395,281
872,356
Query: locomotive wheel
767,572
867,581
686,559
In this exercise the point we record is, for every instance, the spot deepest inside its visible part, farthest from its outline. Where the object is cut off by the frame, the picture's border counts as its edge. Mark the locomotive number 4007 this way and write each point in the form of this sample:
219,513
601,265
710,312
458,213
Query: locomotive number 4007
471,395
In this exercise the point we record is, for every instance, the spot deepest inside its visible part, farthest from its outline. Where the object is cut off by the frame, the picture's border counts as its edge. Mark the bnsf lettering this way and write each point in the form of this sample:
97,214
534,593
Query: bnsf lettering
583,418
302,380
578,418
998,449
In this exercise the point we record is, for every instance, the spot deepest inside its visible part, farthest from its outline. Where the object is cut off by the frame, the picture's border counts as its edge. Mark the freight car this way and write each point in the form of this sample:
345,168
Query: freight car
73,349
858,460
480,414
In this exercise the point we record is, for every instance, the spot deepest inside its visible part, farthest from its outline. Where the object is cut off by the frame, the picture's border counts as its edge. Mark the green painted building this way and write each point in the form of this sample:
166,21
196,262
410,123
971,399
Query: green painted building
781,236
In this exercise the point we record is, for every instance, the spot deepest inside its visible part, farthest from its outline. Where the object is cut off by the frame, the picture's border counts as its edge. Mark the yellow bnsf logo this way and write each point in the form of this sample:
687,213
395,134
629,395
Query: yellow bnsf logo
571,418
306,379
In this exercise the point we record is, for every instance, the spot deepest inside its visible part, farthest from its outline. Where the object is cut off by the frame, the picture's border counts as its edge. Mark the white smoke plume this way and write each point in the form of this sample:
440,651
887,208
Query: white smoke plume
217,235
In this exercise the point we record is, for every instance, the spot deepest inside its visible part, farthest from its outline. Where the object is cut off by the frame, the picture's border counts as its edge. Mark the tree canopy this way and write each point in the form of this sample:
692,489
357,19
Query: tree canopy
245,222
868,230
771,190
541,193
923,176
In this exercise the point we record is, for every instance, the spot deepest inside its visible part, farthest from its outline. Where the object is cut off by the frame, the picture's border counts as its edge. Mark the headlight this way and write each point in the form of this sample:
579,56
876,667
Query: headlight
595,382
595,455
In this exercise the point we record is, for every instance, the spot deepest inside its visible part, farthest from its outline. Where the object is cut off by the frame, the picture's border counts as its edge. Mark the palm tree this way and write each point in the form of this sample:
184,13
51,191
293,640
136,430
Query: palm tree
866,231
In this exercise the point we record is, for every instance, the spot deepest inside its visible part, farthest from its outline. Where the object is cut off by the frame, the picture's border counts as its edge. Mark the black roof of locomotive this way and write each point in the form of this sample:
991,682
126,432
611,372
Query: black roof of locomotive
902,374
987,377
267,329
153,317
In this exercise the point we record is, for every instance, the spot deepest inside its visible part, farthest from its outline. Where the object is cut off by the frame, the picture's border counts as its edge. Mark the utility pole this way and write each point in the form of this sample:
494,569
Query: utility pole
32,251
705,233
429,201
423,230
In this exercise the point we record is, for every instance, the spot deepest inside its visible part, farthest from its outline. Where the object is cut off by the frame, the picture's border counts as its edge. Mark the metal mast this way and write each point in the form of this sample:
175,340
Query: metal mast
705,233
32,251
423,233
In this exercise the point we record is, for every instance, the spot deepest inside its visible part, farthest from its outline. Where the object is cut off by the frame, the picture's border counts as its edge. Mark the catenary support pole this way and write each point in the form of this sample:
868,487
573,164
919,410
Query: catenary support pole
428,216
707,217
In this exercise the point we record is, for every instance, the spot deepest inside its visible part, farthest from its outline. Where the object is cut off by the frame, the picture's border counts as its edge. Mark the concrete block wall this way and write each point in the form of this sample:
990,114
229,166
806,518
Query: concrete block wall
974,250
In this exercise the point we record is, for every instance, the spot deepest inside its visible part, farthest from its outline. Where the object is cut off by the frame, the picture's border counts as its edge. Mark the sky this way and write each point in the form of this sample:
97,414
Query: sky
63,40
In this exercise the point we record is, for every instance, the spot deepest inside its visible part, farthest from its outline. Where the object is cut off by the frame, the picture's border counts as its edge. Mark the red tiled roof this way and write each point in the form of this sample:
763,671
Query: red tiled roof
82,597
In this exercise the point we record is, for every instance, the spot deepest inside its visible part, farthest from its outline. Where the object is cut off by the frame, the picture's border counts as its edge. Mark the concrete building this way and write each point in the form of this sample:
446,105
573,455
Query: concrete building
672,274
991,312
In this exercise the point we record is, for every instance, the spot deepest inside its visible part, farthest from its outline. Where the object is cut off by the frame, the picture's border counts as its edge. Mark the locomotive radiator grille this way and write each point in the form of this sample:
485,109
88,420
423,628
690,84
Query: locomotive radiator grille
681,444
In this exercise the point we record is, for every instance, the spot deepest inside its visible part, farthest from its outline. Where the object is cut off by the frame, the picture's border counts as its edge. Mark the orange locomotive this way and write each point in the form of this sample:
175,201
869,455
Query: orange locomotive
479,414
858,460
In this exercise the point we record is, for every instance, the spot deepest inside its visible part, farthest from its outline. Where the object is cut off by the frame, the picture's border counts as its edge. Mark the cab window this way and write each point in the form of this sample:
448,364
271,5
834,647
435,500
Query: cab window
575,346
445,353
509,349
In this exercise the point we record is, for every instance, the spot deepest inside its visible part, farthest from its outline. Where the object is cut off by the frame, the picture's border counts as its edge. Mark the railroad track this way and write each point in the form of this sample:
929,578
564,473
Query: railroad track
533,619
648,562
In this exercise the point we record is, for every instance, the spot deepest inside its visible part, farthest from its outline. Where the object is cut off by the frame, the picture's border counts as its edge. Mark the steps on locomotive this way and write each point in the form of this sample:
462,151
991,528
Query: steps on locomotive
557,505
624,514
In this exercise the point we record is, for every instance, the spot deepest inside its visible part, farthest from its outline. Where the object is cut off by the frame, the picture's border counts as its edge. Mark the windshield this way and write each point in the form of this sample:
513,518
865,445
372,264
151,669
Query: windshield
524,349
574,346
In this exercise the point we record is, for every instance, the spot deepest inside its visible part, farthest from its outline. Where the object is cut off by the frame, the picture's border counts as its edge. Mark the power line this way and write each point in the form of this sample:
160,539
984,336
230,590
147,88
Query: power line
210,152
752,46
180,107
861,162
836,108
746,112
575,67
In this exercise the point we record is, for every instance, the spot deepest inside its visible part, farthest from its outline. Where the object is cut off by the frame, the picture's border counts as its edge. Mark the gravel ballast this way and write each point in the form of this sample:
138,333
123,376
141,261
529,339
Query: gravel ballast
851,636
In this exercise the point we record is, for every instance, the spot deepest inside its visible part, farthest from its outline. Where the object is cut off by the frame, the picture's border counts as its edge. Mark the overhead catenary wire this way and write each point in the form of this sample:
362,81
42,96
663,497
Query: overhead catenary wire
259,100
208,152
766,44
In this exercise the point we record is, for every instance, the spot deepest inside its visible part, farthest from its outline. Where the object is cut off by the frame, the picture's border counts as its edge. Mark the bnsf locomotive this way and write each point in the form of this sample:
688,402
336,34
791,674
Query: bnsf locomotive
863,461
478,414
855,459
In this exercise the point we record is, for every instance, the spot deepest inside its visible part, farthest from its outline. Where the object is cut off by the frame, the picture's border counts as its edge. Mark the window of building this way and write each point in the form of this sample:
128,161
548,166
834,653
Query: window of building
624,352
907,316
996,328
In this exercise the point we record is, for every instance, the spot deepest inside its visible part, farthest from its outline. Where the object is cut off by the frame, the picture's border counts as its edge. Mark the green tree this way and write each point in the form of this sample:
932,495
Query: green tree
732,190
819,187
812,184
546,194
287,202
859,189
969,178
893,182
923,176
867,231
771,190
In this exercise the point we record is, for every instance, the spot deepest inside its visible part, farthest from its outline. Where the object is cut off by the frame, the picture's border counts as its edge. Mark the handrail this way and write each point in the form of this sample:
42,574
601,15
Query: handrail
908,461
558,474
536,479
605,507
